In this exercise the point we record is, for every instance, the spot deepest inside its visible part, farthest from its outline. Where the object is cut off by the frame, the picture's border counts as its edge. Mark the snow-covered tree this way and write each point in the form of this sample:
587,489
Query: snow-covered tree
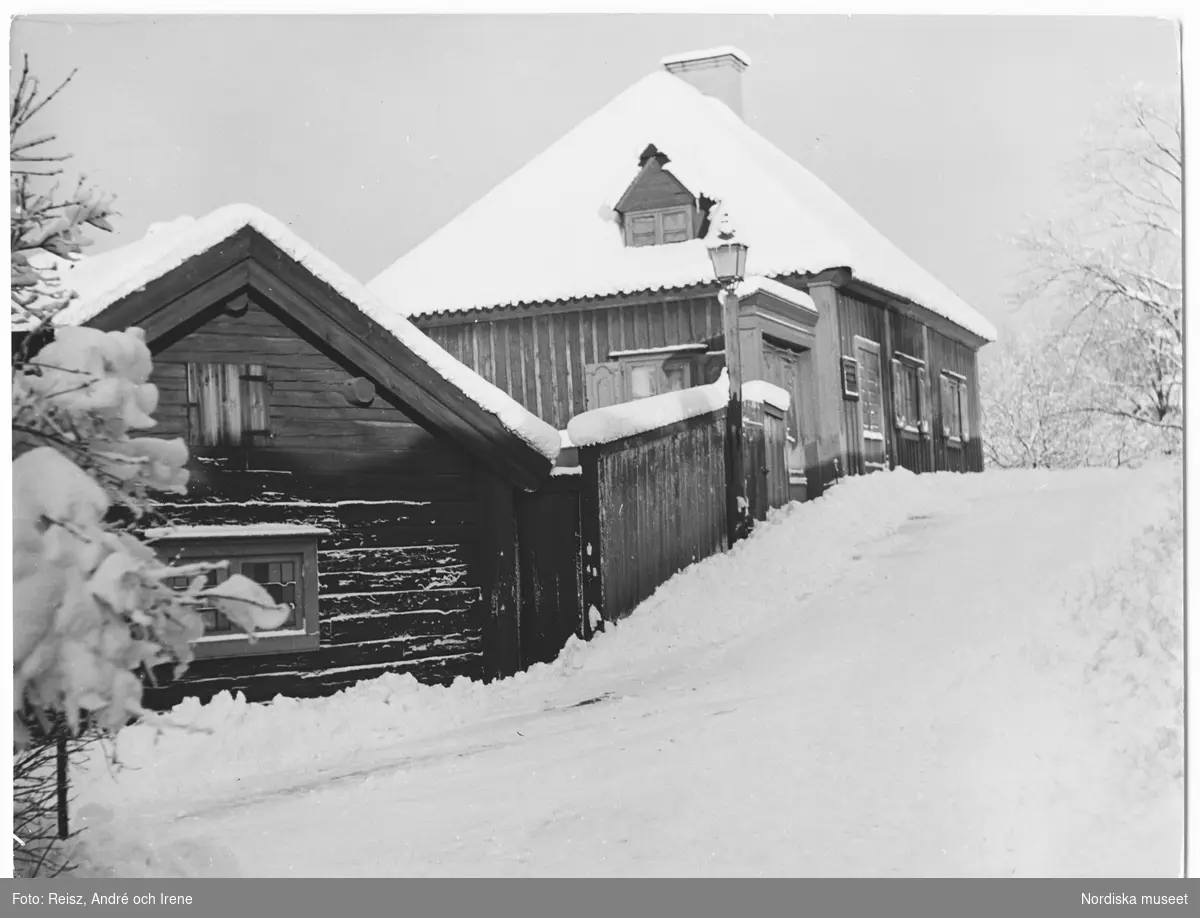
1036,387
1113,266
93,611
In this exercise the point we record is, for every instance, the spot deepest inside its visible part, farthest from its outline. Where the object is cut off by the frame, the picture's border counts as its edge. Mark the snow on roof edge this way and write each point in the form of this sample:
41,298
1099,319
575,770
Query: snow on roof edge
177,243
706,53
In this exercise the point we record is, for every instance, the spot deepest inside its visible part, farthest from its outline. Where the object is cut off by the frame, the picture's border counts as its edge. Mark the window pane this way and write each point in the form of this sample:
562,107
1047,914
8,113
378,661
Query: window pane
676,378
912,395
675,220
641,381
280,580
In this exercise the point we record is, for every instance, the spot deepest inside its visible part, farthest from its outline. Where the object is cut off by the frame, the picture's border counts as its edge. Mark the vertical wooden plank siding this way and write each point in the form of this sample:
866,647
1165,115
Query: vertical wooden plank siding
946,354
866,320
637,529
908,337
542,361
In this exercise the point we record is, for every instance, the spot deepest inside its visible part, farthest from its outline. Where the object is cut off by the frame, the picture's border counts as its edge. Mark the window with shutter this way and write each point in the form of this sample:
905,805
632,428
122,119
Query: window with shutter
955,408
228,403
659,227
908,393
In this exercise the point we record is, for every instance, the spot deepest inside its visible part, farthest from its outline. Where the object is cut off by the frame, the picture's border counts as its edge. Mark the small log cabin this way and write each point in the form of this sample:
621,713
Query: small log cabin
337,456
589,283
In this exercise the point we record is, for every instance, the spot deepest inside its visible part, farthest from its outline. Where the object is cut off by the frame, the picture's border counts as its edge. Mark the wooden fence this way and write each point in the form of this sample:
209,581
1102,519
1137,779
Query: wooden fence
642,508
651,504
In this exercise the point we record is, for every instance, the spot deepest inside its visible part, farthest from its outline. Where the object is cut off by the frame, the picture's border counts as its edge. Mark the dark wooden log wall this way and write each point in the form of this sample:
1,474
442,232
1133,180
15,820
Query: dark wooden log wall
538,355
651,505
410,554
947,354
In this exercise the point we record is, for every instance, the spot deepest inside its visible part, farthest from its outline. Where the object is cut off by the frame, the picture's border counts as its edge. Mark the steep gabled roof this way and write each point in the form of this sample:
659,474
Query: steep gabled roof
549,232
124,284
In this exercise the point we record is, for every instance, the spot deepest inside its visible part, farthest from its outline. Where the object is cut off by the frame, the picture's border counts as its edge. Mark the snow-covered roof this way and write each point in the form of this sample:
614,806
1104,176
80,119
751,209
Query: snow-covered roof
549,233
102,280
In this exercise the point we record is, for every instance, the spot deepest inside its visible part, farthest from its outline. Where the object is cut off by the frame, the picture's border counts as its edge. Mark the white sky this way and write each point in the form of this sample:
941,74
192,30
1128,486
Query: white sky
366,134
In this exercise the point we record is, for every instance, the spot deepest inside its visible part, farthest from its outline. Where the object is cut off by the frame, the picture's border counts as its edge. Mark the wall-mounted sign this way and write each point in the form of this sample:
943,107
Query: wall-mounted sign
849,377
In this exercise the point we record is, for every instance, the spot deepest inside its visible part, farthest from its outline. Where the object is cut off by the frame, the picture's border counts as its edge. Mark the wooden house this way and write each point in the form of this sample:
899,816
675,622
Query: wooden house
584,279
337,456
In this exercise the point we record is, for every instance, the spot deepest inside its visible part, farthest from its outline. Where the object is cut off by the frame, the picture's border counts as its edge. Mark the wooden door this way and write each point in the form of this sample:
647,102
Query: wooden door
783,369
870,404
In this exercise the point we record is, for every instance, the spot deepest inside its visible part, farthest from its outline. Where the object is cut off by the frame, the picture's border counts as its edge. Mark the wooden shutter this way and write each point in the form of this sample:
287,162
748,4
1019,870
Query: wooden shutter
254,390
922,400
604,385
899,390
963,413
227,402
946,404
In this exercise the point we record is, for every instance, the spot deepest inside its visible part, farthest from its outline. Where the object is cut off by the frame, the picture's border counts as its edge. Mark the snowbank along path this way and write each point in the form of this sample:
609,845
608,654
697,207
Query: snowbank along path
891,680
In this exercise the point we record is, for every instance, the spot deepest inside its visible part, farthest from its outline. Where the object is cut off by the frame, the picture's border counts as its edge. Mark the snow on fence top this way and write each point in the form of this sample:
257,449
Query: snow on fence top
776,289
762,392
603,425
102,280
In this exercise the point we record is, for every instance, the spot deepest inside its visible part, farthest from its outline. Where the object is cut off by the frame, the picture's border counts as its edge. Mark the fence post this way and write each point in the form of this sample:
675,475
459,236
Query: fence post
735,478
589,536
61,762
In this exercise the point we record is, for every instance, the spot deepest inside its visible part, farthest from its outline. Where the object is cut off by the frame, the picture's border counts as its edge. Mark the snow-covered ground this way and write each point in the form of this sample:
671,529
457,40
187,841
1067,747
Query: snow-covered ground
920,676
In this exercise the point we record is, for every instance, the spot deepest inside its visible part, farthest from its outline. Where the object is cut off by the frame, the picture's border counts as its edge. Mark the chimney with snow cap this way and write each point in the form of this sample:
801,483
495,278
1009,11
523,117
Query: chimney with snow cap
716,72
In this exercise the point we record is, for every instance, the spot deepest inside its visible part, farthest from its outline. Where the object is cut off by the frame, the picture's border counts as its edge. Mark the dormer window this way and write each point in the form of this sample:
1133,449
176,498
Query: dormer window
658,227
656,209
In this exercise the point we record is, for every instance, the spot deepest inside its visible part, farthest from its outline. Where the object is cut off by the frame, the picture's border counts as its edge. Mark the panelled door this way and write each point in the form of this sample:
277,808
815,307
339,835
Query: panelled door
870,404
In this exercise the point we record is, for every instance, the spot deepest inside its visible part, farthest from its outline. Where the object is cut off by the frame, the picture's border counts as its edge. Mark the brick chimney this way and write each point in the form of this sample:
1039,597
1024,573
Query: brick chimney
716,72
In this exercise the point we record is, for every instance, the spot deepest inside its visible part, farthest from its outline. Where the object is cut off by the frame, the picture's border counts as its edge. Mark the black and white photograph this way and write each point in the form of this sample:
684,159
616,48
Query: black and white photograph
597,445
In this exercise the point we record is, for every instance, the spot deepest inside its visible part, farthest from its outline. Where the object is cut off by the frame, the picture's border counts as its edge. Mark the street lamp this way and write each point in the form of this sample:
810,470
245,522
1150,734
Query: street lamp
728,257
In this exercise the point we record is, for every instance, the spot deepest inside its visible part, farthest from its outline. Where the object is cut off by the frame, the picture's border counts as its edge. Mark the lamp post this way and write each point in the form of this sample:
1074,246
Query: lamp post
728,257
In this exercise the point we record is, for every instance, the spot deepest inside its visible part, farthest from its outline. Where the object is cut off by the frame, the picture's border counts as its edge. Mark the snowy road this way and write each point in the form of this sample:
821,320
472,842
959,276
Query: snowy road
906,719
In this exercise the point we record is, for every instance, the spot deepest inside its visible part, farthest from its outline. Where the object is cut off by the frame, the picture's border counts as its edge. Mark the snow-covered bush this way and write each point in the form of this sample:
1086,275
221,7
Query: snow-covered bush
92,604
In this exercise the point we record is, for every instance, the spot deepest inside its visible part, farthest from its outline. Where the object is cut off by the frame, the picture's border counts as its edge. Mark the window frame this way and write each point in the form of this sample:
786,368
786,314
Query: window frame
184,544
906,367
657,363
956,384
659,215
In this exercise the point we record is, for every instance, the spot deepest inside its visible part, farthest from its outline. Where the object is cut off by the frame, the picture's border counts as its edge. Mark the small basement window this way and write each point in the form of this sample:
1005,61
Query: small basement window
956,411
283,558
228,403
659,227
908,394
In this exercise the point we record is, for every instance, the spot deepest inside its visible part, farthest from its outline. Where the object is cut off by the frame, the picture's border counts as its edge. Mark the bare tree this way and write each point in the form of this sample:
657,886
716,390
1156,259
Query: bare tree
1115,262
46,229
